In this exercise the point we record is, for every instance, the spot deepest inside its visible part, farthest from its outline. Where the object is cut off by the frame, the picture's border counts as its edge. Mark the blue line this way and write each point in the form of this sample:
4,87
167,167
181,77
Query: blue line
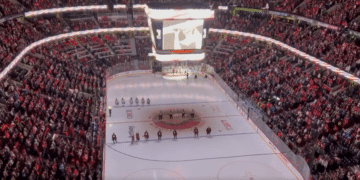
120,106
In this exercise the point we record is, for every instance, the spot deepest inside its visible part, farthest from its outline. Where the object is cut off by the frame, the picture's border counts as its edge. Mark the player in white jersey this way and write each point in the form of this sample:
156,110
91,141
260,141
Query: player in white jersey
142,101
136,101
131,101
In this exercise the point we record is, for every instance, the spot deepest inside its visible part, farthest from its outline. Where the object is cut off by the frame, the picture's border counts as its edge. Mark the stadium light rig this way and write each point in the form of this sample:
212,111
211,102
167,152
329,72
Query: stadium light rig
179,13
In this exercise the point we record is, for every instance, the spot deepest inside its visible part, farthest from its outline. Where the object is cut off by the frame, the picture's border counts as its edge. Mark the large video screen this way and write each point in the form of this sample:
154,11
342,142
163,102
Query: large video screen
182,34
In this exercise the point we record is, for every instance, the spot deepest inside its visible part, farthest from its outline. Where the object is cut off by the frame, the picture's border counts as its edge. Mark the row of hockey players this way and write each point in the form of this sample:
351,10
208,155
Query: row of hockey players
131,101
192,114
159,134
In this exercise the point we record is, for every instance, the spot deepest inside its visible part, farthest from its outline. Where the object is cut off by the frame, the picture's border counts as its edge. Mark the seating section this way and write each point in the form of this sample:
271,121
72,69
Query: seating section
337,49
50,121
313,110
50,117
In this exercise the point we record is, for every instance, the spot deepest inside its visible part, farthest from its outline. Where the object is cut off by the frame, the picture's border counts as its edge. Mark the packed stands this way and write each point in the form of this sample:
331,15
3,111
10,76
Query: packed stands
333,47
42,98
314,111
47,123
51,122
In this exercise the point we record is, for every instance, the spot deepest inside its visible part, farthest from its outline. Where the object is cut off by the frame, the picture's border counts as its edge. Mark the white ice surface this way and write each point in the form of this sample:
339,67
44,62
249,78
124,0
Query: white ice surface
239,153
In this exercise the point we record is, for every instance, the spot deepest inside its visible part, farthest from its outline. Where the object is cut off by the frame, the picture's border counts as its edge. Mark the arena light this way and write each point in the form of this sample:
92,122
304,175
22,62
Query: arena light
223,8
139,6
179,14
120,6
67,9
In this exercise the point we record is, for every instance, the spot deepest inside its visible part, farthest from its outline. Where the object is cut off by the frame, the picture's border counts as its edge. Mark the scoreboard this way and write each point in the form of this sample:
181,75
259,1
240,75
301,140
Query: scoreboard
178,31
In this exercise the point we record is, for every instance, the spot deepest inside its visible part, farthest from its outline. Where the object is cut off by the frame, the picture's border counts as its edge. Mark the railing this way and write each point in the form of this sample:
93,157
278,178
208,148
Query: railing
256,119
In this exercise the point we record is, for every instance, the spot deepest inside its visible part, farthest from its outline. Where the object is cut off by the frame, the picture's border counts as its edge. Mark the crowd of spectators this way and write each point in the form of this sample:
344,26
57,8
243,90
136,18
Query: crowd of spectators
143,47
8,8
50,117
140,21
340,13
50,122
50,26
334,47
84,24
15,36
313,110
46,119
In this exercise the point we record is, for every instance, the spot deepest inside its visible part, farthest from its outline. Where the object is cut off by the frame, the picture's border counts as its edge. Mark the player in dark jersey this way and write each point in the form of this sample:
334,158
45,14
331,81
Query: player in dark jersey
196,132
171,115
137,137
114,138
175,134
208,131
159,135
146,135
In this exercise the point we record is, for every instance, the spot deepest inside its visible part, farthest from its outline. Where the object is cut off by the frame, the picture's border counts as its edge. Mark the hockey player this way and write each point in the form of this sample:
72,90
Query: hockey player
123,101
187,75
171,115
146,135
159,135
110,111
192,113
142,101
131,101
183,113
160,115
137,101
114,138
196,132
175,134
137,137
208,131
116,101
148,101
132,139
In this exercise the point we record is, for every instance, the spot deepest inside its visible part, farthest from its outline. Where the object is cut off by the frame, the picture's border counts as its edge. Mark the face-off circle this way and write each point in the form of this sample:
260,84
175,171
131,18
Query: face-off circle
248,170
179,119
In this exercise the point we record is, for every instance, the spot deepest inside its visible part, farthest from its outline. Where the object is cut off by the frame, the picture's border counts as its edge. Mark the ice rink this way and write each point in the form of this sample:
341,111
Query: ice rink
233,150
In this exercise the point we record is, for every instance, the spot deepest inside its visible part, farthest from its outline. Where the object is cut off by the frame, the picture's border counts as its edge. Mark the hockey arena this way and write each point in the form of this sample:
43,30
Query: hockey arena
179,90
233,150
